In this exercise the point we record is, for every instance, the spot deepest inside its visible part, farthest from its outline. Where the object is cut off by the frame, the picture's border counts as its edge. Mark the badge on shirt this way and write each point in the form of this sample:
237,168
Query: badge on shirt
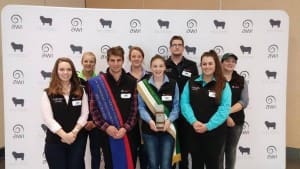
76,103
212,94
166,98
186,73
125,95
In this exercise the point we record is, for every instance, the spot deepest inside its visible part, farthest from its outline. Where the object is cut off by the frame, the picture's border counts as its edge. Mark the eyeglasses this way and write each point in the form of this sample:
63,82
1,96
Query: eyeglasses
177,45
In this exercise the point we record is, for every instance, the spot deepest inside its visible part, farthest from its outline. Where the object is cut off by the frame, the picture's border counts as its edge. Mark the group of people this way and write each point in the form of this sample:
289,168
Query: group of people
159,116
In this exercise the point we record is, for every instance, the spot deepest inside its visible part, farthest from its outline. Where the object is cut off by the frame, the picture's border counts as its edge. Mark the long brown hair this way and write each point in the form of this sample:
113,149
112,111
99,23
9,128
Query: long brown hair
218,74
55,86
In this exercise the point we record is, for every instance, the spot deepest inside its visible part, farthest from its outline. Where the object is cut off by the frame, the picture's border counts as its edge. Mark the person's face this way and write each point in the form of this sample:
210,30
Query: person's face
64,71
158,67
136,58
208,66
88,63
177,48
229,64
115,63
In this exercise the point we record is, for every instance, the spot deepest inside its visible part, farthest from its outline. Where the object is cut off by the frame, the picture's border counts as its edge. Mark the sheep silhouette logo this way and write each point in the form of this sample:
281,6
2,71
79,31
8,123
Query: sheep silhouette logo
18,155
163,23
270,125
46,74
104,23
245,49
18,101
274,23
245,150
190,49
220,24
270,74
16,46
45,20
76,49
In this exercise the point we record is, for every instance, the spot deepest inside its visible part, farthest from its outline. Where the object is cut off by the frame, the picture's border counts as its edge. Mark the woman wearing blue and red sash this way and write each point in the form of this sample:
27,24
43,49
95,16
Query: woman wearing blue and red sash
113,105
159,91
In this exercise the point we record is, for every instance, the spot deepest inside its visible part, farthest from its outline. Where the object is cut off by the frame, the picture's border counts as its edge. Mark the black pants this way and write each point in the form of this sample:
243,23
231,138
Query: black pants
207,148
184,130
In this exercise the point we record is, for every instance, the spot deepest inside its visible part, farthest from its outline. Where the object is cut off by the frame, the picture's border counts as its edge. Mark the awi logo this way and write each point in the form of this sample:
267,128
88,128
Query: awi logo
135,26
16,21
18,77
76,25
47,50
18,131
192,26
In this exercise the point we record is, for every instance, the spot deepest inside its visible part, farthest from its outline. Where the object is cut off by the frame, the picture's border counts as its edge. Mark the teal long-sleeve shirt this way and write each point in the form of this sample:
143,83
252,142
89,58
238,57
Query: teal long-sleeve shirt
219,116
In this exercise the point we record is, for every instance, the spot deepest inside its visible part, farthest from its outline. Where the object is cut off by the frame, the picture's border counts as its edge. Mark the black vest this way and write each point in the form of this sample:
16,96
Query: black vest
203,106
167,89
65,114
236,85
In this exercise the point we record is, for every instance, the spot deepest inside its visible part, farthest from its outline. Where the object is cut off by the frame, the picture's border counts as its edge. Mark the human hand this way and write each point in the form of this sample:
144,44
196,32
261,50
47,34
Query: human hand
230,122
167,125
152,126
121,133
68,138
89,125
112,131
199,127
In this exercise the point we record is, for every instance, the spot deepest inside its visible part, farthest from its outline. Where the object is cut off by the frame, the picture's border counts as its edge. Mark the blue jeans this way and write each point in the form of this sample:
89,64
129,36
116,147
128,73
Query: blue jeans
64,156
229,148
159,150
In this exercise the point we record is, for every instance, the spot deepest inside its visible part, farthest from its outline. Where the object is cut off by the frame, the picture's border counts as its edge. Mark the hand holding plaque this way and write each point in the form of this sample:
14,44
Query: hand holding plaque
160,117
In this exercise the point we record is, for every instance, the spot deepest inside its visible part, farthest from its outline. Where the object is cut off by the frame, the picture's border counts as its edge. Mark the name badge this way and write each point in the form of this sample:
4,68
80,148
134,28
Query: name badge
76,103
187,74
126,95
166,98
212,94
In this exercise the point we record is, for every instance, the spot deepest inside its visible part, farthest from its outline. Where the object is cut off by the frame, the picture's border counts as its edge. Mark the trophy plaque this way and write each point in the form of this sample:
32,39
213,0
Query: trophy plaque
160,117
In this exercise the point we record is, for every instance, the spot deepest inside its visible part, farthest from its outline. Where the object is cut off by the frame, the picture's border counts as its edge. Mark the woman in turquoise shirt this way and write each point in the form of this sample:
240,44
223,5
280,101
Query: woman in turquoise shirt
205,104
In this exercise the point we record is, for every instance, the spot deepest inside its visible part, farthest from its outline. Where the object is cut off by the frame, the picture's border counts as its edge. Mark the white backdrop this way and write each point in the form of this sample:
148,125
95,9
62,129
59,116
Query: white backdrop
33,37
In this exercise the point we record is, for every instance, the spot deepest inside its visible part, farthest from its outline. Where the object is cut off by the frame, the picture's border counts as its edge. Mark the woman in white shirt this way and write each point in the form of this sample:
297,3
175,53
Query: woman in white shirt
65,112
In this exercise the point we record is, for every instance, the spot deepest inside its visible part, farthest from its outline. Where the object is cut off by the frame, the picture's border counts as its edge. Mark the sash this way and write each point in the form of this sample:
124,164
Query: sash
151,99
120,148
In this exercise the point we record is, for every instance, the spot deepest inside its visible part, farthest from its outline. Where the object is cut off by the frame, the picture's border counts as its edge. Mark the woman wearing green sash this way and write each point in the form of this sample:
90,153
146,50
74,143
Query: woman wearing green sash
158,91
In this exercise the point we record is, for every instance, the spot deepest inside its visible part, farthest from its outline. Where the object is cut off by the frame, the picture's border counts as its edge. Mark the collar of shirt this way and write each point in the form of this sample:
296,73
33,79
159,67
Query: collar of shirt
143,70
151,80
80,75
200,79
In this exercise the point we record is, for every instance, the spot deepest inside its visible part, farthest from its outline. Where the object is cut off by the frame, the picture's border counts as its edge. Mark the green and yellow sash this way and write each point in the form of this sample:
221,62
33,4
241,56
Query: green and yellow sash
151,99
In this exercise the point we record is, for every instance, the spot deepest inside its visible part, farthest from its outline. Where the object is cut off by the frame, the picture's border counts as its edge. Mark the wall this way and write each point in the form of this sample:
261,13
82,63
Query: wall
290,6
68,3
